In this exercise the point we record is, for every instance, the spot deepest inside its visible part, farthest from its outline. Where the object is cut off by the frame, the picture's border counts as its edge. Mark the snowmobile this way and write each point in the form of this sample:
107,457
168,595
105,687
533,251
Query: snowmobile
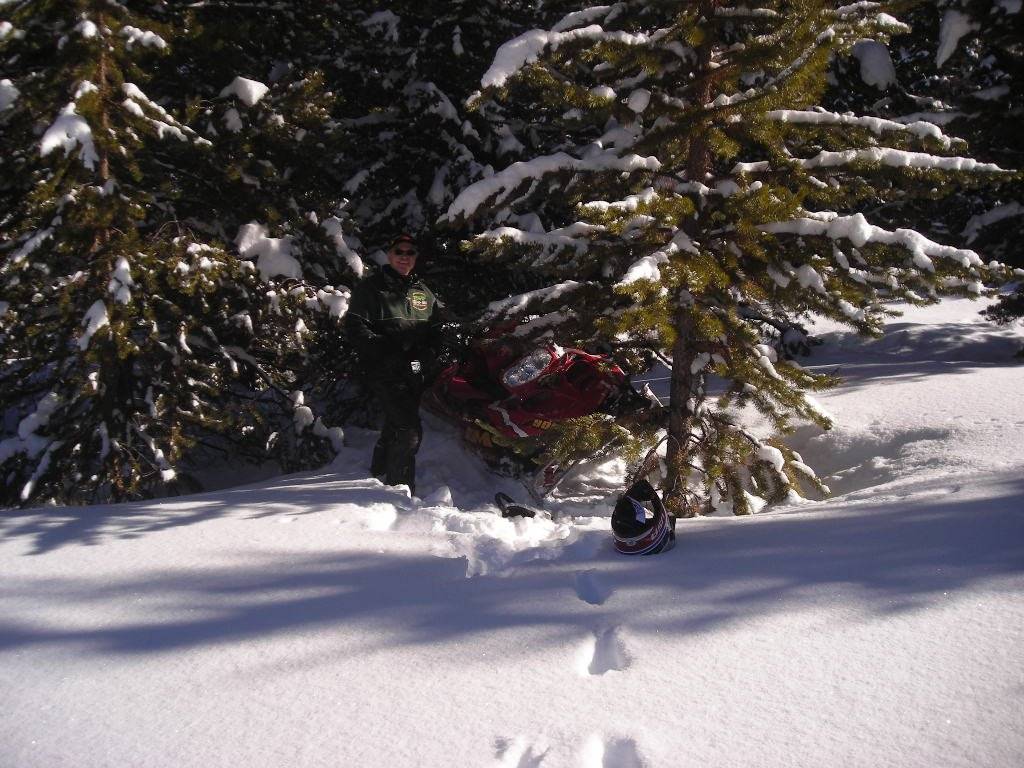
506,396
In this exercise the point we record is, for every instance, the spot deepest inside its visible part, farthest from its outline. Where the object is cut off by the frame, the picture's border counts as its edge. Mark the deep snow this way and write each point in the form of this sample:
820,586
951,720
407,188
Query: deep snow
324,620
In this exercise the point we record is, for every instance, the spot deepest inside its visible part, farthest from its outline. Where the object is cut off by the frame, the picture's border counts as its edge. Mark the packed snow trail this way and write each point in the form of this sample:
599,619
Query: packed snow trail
323,619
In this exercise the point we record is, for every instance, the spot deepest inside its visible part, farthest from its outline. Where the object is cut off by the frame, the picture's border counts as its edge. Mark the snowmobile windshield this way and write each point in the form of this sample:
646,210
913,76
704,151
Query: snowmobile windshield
527,369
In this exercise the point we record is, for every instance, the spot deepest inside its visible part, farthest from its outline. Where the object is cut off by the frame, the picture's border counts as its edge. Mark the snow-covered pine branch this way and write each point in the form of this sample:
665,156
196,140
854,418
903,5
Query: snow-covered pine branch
497,189
825,119
518,305
512,56
859,232
878,156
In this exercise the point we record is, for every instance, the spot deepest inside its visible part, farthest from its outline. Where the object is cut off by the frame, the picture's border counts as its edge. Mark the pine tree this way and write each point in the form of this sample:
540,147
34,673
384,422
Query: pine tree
134,345
711,195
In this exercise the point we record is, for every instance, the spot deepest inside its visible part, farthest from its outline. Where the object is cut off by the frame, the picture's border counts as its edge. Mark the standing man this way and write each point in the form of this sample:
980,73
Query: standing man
394,321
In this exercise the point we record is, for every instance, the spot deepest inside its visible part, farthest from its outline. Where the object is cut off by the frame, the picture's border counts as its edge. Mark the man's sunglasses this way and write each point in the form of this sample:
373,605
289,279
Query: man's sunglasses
405,252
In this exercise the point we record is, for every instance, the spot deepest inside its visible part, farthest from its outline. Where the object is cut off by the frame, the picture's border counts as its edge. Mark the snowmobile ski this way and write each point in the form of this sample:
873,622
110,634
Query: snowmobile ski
544,480
509,507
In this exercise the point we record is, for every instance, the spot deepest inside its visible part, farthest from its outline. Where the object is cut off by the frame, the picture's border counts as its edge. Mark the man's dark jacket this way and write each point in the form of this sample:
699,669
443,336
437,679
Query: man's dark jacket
394,320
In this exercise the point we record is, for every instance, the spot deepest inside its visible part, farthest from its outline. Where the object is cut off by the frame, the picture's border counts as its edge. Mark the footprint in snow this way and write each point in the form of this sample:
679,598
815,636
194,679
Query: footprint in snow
605,652
519,753
591,587
611,753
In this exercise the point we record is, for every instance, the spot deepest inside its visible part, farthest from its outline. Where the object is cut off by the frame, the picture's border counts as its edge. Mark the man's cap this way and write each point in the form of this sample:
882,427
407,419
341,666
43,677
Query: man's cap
403,237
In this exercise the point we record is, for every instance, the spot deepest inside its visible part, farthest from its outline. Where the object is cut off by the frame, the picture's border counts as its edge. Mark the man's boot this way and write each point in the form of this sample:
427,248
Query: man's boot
379,462
401,462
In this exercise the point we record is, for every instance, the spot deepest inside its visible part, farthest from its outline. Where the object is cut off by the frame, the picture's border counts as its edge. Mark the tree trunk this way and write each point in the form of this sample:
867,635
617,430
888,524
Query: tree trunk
104,170
684,387
687,387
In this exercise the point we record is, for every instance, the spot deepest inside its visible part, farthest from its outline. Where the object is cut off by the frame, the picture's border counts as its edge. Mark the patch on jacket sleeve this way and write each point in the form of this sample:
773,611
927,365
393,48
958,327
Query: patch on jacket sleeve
418,300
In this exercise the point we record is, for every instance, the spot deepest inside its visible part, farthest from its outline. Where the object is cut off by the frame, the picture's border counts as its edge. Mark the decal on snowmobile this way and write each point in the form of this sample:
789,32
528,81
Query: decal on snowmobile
508,420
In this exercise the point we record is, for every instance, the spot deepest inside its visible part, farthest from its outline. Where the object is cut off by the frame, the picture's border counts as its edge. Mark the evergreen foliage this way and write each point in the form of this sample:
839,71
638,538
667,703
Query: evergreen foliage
134,343
405,137
256,84
710,194
263,82
960,65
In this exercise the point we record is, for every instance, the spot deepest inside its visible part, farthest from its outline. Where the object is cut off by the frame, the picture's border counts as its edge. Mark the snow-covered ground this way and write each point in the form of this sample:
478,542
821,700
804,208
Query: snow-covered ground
324,620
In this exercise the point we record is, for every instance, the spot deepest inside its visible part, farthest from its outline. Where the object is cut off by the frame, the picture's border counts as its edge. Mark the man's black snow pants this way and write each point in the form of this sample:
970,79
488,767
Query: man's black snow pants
394,456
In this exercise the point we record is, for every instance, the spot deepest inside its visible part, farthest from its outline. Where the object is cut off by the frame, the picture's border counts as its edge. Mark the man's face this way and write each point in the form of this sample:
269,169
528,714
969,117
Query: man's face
402,257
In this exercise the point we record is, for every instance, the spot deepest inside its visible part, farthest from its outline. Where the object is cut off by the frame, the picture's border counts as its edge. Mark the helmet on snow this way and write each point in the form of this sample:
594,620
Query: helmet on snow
640,523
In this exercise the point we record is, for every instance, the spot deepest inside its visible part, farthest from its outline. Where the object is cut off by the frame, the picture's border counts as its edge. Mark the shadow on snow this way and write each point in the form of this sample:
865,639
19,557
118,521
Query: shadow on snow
51,528
881,558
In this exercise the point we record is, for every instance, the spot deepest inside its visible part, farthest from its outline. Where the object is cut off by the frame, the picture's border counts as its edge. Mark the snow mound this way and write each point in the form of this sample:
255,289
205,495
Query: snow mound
955,25
249,92
67,131
273,255
876,67
8,94
860,460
